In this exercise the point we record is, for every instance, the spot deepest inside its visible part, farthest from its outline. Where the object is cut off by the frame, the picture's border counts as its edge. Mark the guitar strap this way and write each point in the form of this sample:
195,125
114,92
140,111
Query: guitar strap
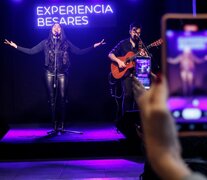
135,49
140,44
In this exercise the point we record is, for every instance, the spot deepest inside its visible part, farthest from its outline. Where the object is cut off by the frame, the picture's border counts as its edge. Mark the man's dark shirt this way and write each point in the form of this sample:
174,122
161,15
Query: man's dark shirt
123,47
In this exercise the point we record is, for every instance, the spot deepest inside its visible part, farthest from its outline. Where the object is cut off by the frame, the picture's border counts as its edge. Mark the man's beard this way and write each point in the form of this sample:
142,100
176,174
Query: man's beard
135,38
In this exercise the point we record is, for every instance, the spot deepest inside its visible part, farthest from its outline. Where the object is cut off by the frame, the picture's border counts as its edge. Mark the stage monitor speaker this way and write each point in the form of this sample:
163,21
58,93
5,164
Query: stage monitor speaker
130,125
4,128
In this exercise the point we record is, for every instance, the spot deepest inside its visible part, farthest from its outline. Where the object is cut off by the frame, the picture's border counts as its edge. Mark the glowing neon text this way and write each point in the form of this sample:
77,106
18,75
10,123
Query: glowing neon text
70,15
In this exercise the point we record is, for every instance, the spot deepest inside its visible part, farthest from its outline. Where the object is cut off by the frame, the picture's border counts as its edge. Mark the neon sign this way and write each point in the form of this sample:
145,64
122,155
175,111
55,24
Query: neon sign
72,15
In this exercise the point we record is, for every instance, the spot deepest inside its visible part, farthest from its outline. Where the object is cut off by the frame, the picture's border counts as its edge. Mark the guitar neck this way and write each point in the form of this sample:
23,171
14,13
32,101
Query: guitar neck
149,46
154,44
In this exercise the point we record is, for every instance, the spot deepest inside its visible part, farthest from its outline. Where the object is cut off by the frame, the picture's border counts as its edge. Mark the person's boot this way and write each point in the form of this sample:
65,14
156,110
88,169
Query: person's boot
62,127
62,124
55,126
53,115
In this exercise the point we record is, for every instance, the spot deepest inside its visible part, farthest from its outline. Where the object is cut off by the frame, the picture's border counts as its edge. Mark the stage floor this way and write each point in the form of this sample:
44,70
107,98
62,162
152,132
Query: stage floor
31,141
90,169
99,153
29,133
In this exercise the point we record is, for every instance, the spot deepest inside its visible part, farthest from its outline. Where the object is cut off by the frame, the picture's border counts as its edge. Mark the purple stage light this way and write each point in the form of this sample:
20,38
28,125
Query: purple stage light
194,7
17,1
133,0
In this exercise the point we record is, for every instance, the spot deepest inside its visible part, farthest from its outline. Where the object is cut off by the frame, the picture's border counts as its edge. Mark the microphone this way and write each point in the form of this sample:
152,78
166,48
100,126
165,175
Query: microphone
56,34
136,33
136,36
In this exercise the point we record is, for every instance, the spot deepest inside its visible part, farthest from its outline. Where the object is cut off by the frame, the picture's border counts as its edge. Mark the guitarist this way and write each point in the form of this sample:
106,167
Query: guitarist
131,44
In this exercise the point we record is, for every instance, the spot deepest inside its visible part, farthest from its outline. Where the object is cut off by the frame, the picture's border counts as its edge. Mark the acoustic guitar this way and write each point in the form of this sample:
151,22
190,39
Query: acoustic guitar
128,59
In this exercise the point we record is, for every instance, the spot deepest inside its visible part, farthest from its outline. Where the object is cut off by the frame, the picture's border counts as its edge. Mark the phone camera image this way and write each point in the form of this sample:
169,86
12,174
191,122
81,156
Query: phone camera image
185,63
142,70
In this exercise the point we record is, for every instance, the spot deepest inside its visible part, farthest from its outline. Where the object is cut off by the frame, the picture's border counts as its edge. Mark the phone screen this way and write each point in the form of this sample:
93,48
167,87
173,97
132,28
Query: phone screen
142,70
185,64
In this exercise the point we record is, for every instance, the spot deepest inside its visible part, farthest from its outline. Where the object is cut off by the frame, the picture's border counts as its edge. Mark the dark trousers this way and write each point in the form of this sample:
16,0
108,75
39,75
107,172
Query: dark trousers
55,90
128,102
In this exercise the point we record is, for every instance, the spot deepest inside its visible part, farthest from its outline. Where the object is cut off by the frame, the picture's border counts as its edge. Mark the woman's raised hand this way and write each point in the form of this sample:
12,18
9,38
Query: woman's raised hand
102,42
10,43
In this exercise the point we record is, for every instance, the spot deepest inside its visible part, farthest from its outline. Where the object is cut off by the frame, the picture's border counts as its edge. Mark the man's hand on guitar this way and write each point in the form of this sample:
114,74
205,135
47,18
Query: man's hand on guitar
121,64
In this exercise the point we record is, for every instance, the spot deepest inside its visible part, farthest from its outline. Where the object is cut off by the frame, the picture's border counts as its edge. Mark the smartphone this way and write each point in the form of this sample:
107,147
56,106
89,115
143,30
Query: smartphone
184,62
142,70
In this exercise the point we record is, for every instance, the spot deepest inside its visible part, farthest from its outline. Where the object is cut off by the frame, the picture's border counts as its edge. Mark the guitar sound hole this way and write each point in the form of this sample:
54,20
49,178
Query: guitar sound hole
127,61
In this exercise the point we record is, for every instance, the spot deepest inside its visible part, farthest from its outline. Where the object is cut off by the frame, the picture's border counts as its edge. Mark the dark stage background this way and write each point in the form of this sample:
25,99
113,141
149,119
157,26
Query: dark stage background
22,92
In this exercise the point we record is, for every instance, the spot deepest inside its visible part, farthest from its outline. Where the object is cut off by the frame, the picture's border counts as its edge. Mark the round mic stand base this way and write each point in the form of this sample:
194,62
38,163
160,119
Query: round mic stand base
62,131
69,131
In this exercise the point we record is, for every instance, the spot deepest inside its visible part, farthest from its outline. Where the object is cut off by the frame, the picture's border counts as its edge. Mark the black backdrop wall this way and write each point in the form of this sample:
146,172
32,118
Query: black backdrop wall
22,92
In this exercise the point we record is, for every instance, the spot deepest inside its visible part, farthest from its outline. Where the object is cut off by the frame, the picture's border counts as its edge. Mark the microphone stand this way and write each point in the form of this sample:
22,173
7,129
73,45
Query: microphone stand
149,54
145,48
55,86
55,78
